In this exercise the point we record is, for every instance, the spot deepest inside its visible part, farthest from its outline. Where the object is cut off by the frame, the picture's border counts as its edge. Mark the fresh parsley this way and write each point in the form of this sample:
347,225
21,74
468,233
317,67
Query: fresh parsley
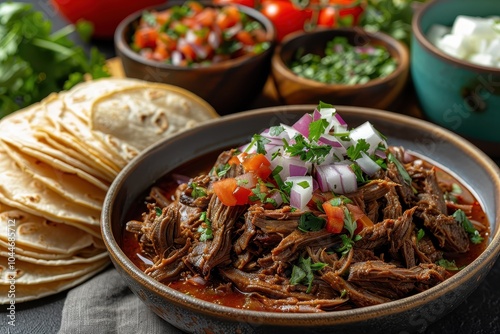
420,234
354,151
259,141
474,235
348,240
317,128
306,150
197,190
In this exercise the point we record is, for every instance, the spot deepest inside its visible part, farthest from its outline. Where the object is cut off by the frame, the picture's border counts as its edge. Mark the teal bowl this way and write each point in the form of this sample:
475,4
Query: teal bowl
456,94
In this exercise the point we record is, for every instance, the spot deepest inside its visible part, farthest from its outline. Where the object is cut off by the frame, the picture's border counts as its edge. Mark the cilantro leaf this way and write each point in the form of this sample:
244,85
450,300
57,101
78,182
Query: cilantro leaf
258,141
354,151
308,222
448,265
401,168
474,235
197,190
317,128
302,272
205,229
307,151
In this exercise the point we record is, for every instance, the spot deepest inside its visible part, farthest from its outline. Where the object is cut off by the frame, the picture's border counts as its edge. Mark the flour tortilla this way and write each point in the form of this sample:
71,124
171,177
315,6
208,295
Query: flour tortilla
142,115
68,185
30,292
44,235
19,190
56,262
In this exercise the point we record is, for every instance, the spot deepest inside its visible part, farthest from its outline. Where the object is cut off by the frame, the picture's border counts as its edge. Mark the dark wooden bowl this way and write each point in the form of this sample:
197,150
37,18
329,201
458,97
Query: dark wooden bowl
377,93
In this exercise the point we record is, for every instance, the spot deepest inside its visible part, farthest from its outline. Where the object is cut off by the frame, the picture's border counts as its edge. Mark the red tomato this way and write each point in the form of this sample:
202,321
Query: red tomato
348,8
359,216
248,3
285,16
104,14
258,164
224,190
146,38
327,17
335,217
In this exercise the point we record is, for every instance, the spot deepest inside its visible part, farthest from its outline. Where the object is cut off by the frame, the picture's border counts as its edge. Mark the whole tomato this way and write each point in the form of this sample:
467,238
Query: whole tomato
285,16
104,14
339,10
248,3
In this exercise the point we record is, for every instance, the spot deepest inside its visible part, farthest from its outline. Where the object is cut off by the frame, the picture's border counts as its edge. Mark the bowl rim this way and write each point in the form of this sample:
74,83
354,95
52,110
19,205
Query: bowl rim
346,317
122,45
401,69
420,37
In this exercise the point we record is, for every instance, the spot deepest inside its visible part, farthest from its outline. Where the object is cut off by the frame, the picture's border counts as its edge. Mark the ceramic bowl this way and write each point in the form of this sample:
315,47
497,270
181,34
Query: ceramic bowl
228,86
412,314
454,93
377,93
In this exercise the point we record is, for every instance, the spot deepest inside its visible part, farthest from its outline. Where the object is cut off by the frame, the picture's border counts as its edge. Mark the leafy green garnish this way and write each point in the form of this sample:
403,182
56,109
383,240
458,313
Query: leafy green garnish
420,234
360,175
158,211
308,222
401,168
197,190
348,240
448,265
223,169
205,229
474,235
276,130
302,272
35,62
354,151
259,142
306,150
317,128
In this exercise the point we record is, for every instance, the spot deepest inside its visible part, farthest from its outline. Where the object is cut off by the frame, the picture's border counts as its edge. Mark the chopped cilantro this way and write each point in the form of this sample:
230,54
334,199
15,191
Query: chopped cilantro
448,265
197,190
223,169
474,235
158,211
401,168
348,240
354,151
420,234
317,128
258,141
360,175
205,229
276,130
308,222
303,272
307,151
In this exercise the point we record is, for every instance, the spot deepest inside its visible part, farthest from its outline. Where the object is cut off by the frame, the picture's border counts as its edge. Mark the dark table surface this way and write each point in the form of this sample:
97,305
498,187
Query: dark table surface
479,313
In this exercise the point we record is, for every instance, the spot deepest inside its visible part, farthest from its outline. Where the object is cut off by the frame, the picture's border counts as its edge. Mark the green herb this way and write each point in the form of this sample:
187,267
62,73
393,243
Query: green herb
303,272
158,211
259,142
34,62
149,18
304,184
307,151
448,265
339,200
344,63
317,128
452,196
276,130
348,240
205,229
223,169
474,235
420,234
308,222
354,151
401,168
197,190
325,105
360,175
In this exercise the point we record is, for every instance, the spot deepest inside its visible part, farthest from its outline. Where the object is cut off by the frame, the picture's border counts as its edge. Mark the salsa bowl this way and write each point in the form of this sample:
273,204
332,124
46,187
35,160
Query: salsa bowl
439,146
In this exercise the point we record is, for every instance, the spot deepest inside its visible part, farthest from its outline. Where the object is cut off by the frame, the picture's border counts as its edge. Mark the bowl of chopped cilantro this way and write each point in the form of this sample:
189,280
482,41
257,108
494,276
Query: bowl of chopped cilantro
349,65
220,52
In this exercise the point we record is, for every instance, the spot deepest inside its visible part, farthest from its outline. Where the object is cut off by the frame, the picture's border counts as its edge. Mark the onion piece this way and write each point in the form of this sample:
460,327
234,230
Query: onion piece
348,178
338,178
367,132
367,164
302,125
301,191
329,140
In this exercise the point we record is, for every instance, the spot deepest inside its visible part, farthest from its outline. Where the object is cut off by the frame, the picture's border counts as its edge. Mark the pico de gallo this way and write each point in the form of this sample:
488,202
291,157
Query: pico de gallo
192,34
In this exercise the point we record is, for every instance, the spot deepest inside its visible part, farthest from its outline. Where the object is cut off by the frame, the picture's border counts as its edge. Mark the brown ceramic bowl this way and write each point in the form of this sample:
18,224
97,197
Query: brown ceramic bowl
411,314
377,93
228,86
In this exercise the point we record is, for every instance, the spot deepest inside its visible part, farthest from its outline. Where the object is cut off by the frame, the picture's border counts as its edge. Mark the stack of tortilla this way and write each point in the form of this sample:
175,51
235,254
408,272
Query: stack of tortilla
57,160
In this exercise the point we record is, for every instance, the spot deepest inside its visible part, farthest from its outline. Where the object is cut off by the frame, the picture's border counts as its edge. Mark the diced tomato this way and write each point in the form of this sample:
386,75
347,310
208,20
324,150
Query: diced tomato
245,37
230,192
241,195
362,220
237,159
259,164
228,17
146,37
188,51
207,17
327,17
248,3
195,6
335,217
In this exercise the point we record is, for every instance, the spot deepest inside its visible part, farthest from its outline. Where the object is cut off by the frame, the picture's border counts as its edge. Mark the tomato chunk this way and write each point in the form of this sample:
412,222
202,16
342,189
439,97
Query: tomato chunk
146,38
230,193
259,164
335,217
359,216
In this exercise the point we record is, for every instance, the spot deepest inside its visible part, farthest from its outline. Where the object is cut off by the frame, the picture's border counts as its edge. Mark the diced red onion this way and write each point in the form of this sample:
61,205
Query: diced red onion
302,125
348,178
329,140
296,170
213,40
338,178
367,164
381,154
276,196
316,115
246,180
176,57
340,119
300,195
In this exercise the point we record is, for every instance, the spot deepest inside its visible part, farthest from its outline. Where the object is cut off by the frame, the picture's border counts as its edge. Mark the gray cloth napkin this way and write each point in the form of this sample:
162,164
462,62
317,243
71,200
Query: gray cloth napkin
105,304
